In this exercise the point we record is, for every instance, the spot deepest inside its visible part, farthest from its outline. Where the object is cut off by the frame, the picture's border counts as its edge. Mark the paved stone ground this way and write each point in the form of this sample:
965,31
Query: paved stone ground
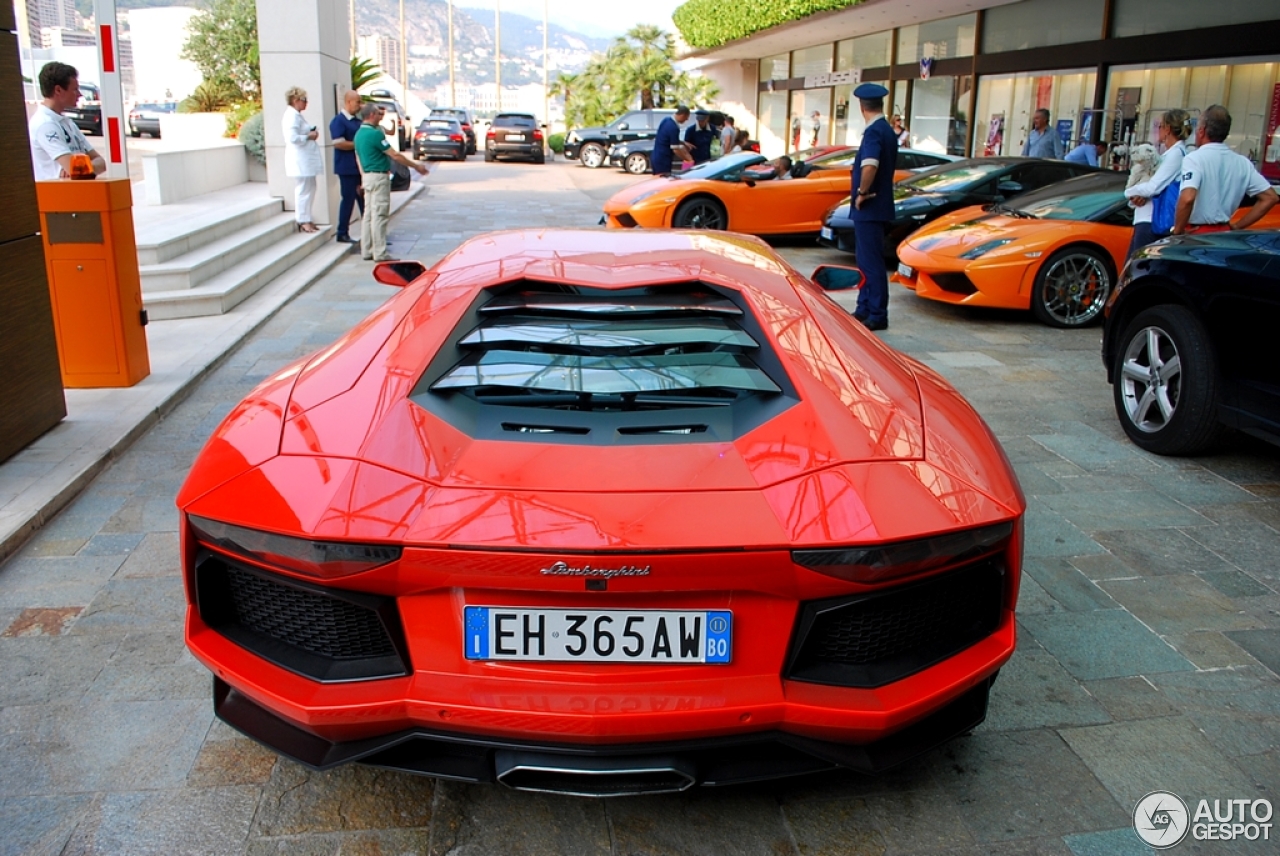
1148,655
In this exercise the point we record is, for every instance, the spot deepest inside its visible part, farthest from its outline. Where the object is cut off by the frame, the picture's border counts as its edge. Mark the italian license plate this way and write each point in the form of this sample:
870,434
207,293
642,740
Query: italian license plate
826,233
906,271
519,138
439,137
598,636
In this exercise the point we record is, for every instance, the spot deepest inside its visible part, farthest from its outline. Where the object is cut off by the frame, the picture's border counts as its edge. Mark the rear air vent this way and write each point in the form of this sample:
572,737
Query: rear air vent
606,366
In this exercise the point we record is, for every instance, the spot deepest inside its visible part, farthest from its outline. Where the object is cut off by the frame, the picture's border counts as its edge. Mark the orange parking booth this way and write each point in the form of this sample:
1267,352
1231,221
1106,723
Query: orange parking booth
92,260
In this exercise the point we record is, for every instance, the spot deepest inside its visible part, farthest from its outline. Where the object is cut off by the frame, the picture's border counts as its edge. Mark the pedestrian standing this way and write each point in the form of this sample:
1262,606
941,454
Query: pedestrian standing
698,136
666,142
1173,127
302,159
1042,142
815,128
54,137
374,154
1215,180
728,134
872,207
342,130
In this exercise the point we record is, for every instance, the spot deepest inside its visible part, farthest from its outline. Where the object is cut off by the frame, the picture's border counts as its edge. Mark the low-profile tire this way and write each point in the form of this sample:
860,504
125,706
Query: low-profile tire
592,156
1071,288
135,133
489,156
636,163
539,157
701,212
1165,382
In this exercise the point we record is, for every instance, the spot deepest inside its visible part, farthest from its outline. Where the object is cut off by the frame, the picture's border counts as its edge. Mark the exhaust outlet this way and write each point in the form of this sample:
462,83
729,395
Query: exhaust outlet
593,776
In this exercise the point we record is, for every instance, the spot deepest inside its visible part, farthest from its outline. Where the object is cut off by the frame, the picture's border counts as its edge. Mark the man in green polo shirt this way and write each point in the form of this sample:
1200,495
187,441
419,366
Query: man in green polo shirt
374,154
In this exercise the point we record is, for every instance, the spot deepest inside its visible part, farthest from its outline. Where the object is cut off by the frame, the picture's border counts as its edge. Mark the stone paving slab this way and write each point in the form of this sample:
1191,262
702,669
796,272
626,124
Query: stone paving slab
1148,651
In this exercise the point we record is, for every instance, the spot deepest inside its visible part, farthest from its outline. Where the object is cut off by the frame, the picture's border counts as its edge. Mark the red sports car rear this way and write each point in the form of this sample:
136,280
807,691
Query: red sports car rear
603,512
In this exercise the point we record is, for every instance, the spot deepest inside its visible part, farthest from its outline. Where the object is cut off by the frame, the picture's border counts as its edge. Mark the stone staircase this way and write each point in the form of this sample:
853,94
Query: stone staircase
205,256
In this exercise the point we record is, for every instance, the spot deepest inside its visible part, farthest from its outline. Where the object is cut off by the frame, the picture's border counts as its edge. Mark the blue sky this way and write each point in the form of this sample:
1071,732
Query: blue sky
590,17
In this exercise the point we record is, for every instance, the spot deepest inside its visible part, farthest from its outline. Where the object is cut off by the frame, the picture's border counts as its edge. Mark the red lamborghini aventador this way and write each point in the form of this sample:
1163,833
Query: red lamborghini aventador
603,513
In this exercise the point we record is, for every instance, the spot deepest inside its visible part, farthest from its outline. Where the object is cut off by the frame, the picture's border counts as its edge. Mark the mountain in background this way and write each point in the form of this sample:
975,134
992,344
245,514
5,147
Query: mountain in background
426,23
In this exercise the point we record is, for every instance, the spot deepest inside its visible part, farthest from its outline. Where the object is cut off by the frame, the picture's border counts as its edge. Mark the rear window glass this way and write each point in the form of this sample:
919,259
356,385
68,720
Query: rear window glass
440,123
514,121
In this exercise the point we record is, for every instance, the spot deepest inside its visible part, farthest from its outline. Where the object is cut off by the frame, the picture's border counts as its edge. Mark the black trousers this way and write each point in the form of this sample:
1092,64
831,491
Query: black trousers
350,199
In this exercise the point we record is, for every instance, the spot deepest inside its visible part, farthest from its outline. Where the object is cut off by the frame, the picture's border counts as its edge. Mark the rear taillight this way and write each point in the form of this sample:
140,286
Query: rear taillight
457,138
323,559
537,135
882,562
489,136
421,135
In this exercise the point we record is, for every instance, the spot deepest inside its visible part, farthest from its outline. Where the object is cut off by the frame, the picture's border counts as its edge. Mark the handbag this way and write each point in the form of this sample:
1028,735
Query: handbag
399,176
1164,209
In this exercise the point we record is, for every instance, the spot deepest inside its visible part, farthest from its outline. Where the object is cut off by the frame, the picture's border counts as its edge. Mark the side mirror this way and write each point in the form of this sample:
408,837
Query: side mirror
1009,188
625,126
748,181
837,277
398,274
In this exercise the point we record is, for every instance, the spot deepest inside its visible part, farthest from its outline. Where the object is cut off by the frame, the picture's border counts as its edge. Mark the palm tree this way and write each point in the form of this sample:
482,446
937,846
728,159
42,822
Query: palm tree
363,71
694,89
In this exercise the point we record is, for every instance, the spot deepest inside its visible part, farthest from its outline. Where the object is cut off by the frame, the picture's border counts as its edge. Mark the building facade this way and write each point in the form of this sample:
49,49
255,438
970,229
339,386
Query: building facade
967,76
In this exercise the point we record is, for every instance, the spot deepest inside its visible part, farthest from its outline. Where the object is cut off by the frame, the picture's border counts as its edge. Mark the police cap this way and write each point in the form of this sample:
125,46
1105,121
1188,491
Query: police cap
701,112
869,91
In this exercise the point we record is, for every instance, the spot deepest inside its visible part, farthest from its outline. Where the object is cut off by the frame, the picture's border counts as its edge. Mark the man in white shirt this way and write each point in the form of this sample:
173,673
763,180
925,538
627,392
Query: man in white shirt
55,138
1216,179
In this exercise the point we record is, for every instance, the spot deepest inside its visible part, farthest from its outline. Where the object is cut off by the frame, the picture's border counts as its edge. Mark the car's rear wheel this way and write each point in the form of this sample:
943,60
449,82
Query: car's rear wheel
134,132
1165,382
700,213
636,164
1071,288
489,156
592,156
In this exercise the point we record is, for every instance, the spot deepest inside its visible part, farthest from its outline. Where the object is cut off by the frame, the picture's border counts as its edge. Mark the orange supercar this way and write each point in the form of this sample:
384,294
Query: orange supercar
724,194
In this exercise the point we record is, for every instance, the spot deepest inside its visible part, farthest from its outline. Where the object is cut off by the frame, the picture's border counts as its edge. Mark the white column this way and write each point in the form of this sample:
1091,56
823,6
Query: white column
304,43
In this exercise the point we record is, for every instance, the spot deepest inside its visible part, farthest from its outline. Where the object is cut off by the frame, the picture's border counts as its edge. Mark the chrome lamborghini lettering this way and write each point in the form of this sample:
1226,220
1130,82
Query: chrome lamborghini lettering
562,569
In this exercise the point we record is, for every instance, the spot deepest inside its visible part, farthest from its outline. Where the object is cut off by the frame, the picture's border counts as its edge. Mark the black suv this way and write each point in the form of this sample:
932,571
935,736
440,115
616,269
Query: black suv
591,145
514,134
464,118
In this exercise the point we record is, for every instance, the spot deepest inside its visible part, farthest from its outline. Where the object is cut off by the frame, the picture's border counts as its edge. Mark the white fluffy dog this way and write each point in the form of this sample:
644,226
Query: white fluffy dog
1143,162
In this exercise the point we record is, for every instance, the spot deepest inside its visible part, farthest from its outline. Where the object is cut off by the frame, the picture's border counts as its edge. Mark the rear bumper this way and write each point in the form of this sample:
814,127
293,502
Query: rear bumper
709,761
439,150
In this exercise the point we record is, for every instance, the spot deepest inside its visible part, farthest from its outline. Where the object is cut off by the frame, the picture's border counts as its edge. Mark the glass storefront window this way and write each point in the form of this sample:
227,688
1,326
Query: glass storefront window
1140,17
774,125
775,67
939,120
945,39
873,51
1006,103
804,103
1246,90
815,60
1040,23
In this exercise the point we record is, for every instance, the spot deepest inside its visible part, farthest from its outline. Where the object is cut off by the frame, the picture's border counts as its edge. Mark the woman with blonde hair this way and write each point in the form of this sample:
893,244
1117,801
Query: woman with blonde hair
1173,127
302,160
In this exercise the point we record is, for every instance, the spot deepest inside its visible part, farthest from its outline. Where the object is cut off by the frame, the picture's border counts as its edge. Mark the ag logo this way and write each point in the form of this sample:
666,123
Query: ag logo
1160,819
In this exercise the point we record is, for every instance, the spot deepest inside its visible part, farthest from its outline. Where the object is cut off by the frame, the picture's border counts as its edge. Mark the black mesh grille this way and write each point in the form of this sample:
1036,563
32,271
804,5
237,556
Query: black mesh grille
324,633
322,625
956,283
876,639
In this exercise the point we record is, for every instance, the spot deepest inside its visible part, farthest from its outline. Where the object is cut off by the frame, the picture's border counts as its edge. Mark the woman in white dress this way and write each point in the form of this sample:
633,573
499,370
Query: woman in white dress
302,159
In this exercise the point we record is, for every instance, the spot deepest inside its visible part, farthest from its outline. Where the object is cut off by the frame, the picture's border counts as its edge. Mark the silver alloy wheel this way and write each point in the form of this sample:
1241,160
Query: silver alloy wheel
700,214
1151,379
636,164
1074,289
592,156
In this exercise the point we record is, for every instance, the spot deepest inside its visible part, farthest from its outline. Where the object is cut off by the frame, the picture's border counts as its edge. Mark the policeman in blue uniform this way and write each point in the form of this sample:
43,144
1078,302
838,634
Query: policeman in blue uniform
699,136
873,204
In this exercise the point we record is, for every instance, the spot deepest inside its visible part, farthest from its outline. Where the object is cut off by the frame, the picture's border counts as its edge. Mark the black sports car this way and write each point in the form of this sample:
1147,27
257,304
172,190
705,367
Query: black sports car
1187,341
949,187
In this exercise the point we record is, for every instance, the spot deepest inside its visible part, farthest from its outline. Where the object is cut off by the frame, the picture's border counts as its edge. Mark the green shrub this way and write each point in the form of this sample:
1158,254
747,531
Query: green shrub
238,115
253,137
556,142
711,23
